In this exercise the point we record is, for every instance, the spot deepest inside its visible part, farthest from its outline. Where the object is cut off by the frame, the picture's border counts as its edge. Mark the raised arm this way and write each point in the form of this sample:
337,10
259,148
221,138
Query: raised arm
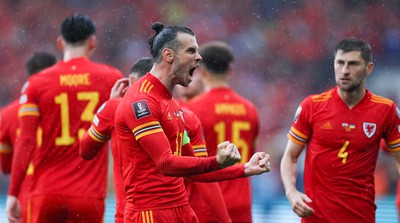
157,146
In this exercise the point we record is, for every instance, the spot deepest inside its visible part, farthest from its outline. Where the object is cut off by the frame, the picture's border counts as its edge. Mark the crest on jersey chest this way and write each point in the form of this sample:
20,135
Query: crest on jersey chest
369,129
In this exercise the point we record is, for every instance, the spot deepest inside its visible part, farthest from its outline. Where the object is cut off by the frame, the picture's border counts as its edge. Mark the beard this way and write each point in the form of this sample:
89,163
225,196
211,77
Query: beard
349,88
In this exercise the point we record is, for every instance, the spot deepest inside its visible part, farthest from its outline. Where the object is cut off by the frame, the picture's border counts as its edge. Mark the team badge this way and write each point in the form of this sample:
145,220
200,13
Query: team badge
141,109
369,129
296,116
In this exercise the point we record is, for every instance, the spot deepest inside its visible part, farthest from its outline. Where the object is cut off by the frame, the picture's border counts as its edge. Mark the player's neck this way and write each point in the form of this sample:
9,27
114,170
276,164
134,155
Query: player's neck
73,53
352,98
212,82
163,73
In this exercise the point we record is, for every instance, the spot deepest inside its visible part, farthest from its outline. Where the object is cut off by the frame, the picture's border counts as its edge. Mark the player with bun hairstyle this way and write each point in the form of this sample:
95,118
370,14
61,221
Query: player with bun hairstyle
151,135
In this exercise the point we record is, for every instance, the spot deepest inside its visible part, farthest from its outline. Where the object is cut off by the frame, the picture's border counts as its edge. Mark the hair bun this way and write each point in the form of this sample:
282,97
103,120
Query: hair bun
157,26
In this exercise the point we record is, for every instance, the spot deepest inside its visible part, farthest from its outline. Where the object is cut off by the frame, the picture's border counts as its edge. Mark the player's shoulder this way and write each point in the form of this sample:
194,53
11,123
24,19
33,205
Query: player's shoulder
244,100
377,99
188,113
321,97
102,68
10,108
110,104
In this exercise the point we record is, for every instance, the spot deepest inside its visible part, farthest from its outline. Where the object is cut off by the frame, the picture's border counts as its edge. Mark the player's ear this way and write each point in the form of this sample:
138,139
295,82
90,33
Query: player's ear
92,42
60,44
168,55
369,68
229,71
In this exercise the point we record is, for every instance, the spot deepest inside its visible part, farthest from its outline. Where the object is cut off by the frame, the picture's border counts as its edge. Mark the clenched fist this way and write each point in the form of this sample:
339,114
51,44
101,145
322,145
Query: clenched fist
228,154
258,164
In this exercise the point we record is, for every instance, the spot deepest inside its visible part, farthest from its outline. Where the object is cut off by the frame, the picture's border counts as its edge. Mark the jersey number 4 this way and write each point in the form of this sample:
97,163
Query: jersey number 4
87,115
342,154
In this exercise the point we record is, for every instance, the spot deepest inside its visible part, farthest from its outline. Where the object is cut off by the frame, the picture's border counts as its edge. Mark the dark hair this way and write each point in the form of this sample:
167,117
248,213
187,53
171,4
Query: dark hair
165,38
217,56
39,61
142,66
77,28
355,44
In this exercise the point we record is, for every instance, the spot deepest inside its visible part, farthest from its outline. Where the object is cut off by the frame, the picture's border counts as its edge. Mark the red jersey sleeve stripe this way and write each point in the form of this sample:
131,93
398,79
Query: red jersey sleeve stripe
142,126
97,136
201,146
200,150
201,154
5,148
138,136
146,129
295,139
394,145
298,135
28,110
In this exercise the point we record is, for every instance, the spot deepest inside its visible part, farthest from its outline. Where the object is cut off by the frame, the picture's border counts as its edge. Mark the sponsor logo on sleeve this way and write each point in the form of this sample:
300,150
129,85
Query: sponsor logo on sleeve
296,116
101,107
24,87
96,120
23,99
141,109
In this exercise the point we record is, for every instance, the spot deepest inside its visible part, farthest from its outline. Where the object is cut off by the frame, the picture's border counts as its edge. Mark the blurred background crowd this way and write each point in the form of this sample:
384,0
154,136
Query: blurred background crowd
283,49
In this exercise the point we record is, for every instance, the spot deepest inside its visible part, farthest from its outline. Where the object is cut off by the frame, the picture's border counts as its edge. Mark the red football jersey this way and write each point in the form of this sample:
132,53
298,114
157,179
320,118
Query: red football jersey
200,195
195,132
63,100
102,130
150,132
342,150
8,134
225,115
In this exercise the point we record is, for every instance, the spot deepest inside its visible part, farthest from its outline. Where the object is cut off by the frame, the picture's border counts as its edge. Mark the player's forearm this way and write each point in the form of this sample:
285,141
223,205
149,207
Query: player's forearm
6,162
396,156
157,147
229,173
88,147
25,145
288,174
183,166
22,157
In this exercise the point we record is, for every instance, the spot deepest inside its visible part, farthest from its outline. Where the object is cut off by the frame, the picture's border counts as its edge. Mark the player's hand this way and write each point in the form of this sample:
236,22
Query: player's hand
258,164
13,209
119,88
228,154
299,202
